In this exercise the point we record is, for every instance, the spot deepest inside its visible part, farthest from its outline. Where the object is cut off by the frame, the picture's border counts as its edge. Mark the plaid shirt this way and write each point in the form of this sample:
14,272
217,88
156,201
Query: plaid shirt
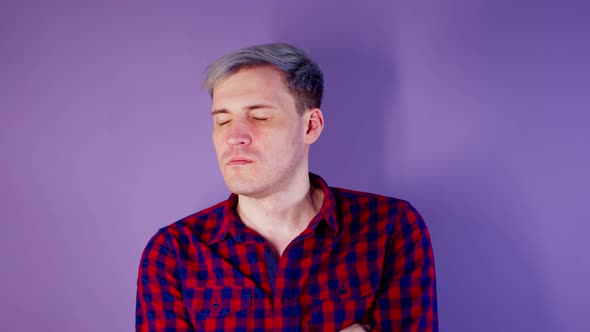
364,258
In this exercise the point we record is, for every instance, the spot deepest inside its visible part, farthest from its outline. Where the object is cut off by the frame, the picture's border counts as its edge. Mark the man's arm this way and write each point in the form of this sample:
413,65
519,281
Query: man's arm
159,296
407,301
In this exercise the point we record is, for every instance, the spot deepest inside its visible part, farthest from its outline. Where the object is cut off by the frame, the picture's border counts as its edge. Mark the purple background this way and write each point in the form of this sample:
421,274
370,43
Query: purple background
476,111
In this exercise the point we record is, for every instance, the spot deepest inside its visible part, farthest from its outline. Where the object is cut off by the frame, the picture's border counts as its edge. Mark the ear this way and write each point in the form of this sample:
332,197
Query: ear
314,124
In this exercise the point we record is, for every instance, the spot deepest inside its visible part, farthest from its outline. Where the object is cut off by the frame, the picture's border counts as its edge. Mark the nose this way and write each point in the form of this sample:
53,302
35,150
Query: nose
239,134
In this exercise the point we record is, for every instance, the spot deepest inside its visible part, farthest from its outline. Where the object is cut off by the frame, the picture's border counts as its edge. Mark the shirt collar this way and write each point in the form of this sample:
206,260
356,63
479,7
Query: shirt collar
231,223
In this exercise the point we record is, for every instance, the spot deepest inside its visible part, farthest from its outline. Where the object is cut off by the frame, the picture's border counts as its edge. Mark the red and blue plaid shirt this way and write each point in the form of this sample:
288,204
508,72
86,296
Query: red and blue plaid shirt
364,258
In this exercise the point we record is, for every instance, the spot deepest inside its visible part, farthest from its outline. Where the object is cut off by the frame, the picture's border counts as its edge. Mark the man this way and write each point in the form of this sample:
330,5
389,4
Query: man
284,252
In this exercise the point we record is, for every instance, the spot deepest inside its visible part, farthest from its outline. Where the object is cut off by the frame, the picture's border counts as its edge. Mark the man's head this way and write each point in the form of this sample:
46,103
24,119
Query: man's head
266,113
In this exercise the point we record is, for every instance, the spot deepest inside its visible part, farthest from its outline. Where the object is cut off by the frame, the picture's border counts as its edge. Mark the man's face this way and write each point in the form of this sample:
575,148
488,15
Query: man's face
257,132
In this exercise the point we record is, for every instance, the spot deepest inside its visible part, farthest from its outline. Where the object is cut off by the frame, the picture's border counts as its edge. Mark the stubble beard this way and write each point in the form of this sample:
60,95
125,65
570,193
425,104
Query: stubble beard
260,183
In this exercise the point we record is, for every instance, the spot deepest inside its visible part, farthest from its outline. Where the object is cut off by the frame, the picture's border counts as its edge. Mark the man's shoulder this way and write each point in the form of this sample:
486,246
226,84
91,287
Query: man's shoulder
203,221
394,213
346,196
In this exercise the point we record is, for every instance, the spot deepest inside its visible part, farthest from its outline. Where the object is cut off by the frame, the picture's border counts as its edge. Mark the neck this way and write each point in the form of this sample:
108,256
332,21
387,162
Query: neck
284,214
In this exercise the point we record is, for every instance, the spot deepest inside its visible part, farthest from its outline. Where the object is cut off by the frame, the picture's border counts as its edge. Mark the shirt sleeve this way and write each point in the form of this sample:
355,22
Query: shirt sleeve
159,303
407,299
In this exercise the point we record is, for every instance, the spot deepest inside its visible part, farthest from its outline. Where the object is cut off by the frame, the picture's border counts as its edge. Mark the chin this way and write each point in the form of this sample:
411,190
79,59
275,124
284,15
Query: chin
244,191
250,182
240,186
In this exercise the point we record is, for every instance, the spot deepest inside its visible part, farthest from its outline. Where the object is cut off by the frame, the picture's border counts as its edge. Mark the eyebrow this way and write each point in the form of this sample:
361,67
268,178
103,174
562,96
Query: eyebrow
247,108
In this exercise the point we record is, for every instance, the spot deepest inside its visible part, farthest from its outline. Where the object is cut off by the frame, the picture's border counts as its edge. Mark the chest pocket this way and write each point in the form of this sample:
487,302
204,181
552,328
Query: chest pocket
343,301
210,305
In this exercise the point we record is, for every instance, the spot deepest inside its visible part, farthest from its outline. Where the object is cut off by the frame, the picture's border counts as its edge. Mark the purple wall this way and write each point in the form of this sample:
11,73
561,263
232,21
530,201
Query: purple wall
475,111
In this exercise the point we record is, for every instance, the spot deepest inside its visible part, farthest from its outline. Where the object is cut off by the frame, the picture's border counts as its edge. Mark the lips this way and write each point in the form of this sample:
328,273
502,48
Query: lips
238,161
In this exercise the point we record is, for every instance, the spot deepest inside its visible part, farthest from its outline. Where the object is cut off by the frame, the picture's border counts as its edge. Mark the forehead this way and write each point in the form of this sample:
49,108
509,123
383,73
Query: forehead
253,84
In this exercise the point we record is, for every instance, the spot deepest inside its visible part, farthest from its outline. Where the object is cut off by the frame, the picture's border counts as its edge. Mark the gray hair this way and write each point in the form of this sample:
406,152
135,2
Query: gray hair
304,77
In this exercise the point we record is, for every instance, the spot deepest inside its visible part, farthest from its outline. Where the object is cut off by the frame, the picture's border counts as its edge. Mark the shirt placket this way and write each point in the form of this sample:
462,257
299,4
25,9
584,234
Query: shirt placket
287,292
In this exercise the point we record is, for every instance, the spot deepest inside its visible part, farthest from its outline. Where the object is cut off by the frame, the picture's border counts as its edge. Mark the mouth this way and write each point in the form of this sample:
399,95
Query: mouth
238,161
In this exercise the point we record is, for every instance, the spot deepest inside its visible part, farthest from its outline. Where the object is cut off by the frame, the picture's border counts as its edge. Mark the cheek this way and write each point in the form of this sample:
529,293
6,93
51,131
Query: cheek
288,144
218,145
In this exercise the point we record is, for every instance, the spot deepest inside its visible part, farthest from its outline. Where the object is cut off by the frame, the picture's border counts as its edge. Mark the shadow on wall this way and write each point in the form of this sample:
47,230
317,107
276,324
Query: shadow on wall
486,278
348,43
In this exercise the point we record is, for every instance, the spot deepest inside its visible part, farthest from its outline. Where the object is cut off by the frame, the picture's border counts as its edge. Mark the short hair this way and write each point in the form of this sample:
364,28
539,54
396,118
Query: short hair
304,78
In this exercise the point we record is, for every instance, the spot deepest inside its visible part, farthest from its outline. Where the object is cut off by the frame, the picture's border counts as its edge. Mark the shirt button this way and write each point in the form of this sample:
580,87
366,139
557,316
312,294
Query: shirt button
238,238
343,291
266,250
215,305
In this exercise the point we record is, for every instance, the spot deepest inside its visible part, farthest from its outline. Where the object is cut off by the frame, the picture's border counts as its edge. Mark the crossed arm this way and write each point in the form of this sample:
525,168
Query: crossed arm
408,302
